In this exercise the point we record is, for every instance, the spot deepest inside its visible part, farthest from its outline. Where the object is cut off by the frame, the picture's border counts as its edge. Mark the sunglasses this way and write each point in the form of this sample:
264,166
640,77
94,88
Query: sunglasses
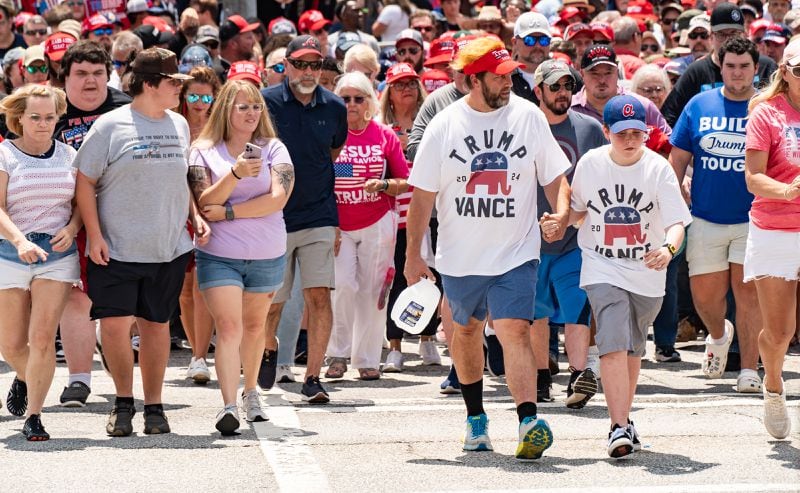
795,71
533,40
103,31
413,50
119,63
568,86
244,108
650,47
423,29
355,99
302,64
278,68
193,98
402,86
212,45
701,35
36,32
32,70
669,21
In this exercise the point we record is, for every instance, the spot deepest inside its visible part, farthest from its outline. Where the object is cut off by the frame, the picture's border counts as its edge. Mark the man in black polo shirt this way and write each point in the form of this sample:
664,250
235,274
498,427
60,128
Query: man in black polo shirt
312,123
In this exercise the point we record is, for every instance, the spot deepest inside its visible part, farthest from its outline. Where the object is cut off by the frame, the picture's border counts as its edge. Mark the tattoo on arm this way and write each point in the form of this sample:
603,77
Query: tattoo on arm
285,174
199,180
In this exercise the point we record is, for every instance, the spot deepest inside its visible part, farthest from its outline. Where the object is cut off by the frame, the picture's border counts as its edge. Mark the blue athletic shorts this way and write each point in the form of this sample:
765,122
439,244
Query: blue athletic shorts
509,295
559,296
255,276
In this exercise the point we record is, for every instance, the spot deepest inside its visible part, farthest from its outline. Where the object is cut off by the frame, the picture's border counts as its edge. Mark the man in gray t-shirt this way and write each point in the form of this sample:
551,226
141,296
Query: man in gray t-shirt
134,199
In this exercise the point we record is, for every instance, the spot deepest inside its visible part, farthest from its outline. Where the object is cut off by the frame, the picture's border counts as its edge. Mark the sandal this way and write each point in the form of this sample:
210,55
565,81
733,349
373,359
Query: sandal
337,368
369,374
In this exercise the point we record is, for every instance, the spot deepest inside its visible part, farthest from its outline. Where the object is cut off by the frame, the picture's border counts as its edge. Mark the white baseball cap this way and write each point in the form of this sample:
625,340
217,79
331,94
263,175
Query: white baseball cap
531,23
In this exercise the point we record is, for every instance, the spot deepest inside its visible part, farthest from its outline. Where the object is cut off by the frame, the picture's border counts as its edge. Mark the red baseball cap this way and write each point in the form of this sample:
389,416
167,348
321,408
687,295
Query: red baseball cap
568,13
235,25
312,20
603,30
21,19
576,29
441,51
244,70
158,23
56,45
95,22
400,71
434,79
758,25
641,10
496,61
557,55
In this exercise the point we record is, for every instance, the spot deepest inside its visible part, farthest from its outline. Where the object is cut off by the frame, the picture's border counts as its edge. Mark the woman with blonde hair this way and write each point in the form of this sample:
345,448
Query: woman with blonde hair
370,171
38,258
362,58
242,176
772,259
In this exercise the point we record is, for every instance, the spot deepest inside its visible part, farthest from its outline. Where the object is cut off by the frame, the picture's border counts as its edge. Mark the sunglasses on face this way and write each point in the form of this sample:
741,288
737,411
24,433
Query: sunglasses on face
354,99
668,21
701,35
402,86
533,40
413,50
212,45
278,68
32,70
795,71
205,98
568,86
244,108
423,29
103,31
119,63
36,32
302,64
650,47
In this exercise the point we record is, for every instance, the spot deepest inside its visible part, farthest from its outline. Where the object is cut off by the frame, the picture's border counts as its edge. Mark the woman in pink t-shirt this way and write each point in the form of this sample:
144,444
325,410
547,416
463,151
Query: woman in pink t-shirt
370,171
772,258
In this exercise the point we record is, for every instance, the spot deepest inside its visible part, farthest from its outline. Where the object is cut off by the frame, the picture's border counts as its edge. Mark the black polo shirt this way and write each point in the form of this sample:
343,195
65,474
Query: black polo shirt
309,133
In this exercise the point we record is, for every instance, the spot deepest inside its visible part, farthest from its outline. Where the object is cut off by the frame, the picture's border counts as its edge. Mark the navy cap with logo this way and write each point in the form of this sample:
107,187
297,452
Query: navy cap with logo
624,112
727,16
303,45
598,54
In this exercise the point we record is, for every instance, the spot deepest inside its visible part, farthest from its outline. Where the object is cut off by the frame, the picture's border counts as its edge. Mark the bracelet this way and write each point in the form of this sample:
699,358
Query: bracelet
234,174
385,185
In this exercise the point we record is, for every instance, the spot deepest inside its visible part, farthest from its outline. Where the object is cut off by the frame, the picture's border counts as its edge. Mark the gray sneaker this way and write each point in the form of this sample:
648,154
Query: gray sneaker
75,395
228,421
251,404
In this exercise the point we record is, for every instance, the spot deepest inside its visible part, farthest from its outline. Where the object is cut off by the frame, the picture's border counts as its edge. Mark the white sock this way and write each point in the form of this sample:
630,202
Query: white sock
488,330
717,342
84,378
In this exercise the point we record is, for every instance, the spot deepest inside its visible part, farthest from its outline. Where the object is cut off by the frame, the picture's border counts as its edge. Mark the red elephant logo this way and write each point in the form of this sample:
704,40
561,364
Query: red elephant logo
489,169
623,222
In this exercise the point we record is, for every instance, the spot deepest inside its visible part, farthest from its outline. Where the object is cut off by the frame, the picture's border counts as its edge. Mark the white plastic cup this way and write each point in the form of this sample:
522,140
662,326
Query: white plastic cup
416,305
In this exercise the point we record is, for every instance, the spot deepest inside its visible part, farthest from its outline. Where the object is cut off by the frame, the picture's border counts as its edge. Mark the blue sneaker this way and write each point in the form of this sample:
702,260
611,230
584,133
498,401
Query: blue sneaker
534,438
476,438
450,385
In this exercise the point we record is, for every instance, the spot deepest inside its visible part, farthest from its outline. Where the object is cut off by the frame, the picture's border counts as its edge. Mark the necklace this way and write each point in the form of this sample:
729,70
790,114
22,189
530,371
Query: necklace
358,133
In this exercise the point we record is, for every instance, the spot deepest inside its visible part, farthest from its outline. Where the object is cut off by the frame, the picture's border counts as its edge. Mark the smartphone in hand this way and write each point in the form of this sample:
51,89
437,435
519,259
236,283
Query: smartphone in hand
252,151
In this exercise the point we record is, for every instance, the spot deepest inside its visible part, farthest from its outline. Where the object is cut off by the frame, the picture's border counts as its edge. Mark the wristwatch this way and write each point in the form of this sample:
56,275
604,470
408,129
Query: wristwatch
228,211
671,248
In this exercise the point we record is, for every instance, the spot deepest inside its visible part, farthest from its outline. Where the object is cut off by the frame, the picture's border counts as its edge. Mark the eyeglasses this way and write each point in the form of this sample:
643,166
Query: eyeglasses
119,63
244,108
355,99
568,86
532,40
650,47
302,64
103,31
701,35
278,68
193,98
413,50
39,118
36,32
423,29
402,86
212,45
32,69
653,90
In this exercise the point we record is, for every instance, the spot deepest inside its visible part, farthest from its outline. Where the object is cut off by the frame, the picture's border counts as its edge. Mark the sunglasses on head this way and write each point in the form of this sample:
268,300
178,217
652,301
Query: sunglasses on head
32,70
568,86
278,68
533,40
413,50
103,31
205,98
36,32
355,99
701,35
650,47
302,64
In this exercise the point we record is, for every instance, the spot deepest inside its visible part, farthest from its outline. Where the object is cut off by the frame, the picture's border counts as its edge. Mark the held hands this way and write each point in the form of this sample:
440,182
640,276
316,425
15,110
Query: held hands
374,186
30,253
415,269
63,239
202,232
553,226
98,250
657,259
247,167
214,213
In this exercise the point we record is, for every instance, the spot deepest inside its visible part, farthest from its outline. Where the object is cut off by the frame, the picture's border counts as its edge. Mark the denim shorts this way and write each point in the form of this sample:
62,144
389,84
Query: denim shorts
255,276
59,266
508,295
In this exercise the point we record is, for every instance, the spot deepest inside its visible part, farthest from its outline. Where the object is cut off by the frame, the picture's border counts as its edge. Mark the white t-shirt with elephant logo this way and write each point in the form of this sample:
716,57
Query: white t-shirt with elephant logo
484,168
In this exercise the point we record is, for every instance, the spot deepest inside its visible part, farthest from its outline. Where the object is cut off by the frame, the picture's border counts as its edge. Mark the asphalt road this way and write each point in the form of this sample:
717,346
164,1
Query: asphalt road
400,435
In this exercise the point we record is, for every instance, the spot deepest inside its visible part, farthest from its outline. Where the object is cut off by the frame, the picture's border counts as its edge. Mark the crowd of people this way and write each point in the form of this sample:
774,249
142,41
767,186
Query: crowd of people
271,185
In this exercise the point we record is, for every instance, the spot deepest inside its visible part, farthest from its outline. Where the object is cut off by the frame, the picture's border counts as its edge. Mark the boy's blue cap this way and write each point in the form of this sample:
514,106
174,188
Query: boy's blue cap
624,112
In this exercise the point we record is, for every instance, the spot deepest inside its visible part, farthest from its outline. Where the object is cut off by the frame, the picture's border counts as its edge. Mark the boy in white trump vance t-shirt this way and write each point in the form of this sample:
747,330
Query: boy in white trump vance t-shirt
633,222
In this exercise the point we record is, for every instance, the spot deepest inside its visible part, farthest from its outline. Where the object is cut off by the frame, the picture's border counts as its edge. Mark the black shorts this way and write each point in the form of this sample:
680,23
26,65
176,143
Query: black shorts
144,290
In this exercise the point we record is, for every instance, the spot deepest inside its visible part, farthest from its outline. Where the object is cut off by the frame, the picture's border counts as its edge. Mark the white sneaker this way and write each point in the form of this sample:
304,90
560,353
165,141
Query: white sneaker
748,382
776,416
228,421
198,371
284,374
251,404
441,337
593,361
429,353
717,354
394,362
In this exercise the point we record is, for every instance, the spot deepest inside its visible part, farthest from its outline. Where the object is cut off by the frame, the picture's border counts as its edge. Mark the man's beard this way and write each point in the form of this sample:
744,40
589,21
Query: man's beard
494,101
555,108
299,87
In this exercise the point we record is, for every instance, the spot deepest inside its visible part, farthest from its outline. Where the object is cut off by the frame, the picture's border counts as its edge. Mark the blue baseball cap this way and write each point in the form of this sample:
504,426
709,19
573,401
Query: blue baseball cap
624,112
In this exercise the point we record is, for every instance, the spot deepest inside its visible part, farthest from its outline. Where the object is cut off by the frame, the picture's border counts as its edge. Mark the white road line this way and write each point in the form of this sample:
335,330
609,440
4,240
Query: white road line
288,454
677,488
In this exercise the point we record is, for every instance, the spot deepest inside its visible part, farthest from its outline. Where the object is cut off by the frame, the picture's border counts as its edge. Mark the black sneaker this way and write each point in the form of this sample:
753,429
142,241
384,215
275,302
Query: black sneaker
582,387
17,400
553,364
33,429
494,356
667,354
155,422
544,382
301,349
268,369
75,395
620,442
313,392
60,356
637,443
119,421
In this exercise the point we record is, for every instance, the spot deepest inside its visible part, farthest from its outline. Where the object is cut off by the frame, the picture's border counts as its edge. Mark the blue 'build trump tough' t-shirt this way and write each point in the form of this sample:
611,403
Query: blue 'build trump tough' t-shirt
712,128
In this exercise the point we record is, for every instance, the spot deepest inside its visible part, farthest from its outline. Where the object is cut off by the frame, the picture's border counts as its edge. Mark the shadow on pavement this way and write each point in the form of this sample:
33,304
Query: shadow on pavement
784,451
138,440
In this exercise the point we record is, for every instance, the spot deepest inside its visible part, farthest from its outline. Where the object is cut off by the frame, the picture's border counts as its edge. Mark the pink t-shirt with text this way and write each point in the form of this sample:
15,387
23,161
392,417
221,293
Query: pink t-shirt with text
376,153
774,127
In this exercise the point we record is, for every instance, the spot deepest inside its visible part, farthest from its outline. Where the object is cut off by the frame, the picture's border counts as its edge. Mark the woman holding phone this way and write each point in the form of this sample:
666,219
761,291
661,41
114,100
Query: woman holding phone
242,176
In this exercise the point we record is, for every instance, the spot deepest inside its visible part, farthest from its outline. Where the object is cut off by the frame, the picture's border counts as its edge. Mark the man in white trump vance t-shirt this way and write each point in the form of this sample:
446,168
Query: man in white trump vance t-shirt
479,162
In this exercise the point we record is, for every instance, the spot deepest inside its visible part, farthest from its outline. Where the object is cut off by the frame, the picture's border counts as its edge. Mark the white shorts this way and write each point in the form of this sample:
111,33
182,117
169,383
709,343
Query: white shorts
19,276
772,253
711,247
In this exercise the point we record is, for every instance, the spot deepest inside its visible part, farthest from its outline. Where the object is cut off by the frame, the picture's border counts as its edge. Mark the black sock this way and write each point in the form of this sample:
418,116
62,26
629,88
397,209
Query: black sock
544,376
526,409
473,397
153,408
126,401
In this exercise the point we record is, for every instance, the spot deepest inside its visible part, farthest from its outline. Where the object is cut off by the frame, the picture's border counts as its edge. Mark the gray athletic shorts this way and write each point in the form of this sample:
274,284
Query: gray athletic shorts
622,318
312,250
